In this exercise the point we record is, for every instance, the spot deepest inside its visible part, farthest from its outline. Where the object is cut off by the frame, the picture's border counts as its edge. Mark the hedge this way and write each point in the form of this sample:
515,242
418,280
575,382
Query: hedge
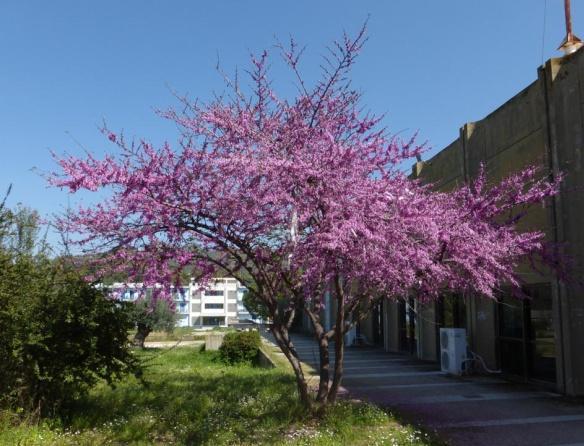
241,346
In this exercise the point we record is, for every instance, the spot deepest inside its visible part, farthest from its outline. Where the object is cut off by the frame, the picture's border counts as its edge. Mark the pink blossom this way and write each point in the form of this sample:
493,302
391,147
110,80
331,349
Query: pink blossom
291,196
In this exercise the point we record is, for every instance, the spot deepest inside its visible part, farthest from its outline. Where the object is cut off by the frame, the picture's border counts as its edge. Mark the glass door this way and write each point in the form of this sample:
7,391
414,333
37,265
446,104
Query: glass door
526,335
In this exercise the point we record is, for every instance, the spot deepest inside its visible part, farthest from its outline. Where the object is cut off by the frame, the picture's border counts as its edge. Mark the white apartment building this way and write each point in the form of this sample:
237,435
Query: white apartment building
219,303
182,300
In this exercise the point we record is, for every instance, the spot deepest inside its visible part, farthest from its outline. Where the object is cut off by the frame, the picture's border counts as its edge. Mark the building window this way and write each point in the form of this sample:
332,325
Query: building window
450,313
129,295
214,293
213,306
526,334
213,321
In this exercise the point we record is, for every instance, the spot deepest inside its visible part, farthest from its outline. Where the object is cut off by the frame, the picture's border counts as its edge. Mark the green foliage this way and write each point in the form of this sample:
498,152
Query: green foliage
60,335
150,315
241,346
192,398
255,306
156,315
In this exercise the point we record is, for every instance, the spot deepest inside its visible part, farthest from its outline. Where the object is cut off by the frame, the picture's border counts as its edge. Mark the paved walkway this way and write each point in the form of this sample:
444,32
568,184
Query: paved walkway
464,411
168,344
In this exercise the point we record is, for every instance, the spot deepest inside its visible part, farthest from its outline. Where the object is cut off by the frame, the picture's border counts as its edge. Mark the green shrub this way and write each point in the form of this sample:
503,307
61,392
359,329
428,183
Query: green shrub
242,346
255,305
60,335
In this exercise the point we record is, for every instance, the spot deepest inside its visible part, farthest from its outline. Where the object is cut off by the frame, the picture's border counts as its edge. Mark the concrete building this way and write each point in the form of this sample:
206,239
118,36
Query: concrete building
181,299
218,304
540,340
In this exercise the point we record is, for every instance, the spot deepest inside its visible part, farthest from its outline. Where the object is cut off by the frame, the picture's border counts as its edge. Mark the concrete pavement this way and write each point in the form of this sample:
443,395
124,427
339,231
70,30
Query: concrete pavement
462,410
168,344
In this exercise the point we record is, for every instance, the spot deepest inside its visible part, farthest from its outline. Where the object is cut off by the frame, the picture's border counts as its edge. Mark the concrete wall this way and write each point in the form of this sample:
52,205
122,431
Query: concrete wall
562,80
391,329
542,125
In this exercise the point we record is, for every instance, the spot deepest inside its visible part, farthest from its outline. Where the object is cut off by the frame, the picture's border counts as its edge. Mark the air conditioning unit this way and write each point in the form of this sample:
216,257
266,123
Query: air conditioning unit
453,350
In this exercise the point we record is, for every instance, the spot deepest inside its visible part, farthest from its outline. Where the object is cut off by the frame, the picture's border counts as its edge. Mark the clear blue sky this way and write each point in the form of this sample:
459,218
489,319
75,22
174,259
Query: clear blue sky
429,65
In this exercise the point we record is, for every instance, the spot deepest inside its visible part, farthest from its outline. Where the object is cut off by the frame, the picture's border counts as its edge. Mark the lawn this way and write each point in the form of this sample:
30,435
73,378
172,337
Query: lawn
191,398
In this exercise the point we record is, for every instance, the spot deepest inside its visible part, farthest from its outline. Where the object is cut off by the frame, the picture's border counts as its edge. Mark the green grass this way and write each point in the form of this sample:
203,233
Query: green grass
190,398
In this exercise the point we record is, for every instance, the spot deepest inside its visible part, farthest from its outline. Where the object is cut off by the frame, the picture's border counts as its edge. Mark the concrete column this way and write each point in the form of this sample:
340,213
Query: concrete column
392,331
564,98
427,331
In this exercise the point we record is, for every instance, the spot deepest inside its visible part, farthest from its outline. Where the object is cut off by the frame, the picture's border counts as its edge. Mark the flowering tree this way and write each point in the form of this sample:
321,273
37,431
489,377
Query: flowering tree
297,198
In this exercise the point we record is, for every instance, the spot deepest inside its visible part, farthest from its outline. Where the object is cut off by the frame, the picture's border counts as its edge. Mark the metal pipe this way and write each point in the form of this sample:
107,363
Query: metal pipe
568,15
571,43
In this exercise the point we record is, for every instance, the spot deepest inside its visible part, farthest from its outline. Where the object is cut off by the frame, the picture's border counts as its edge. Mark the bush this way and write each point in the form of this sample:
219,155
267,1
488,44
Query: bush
242,346
60,335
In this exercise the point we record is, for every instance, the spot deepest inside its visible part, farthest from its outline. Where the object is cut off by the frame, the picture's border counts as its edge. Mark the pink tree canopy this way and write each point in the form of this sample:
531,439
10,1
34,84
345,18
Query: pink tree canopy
293,195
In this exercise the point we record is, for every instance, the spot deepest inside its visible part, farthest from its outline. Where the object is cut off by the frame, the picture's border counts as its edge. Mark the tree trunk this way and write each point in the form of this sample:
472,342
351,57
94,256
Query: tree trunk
339,342
339,367
324,372
324,357
283,340
141,333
